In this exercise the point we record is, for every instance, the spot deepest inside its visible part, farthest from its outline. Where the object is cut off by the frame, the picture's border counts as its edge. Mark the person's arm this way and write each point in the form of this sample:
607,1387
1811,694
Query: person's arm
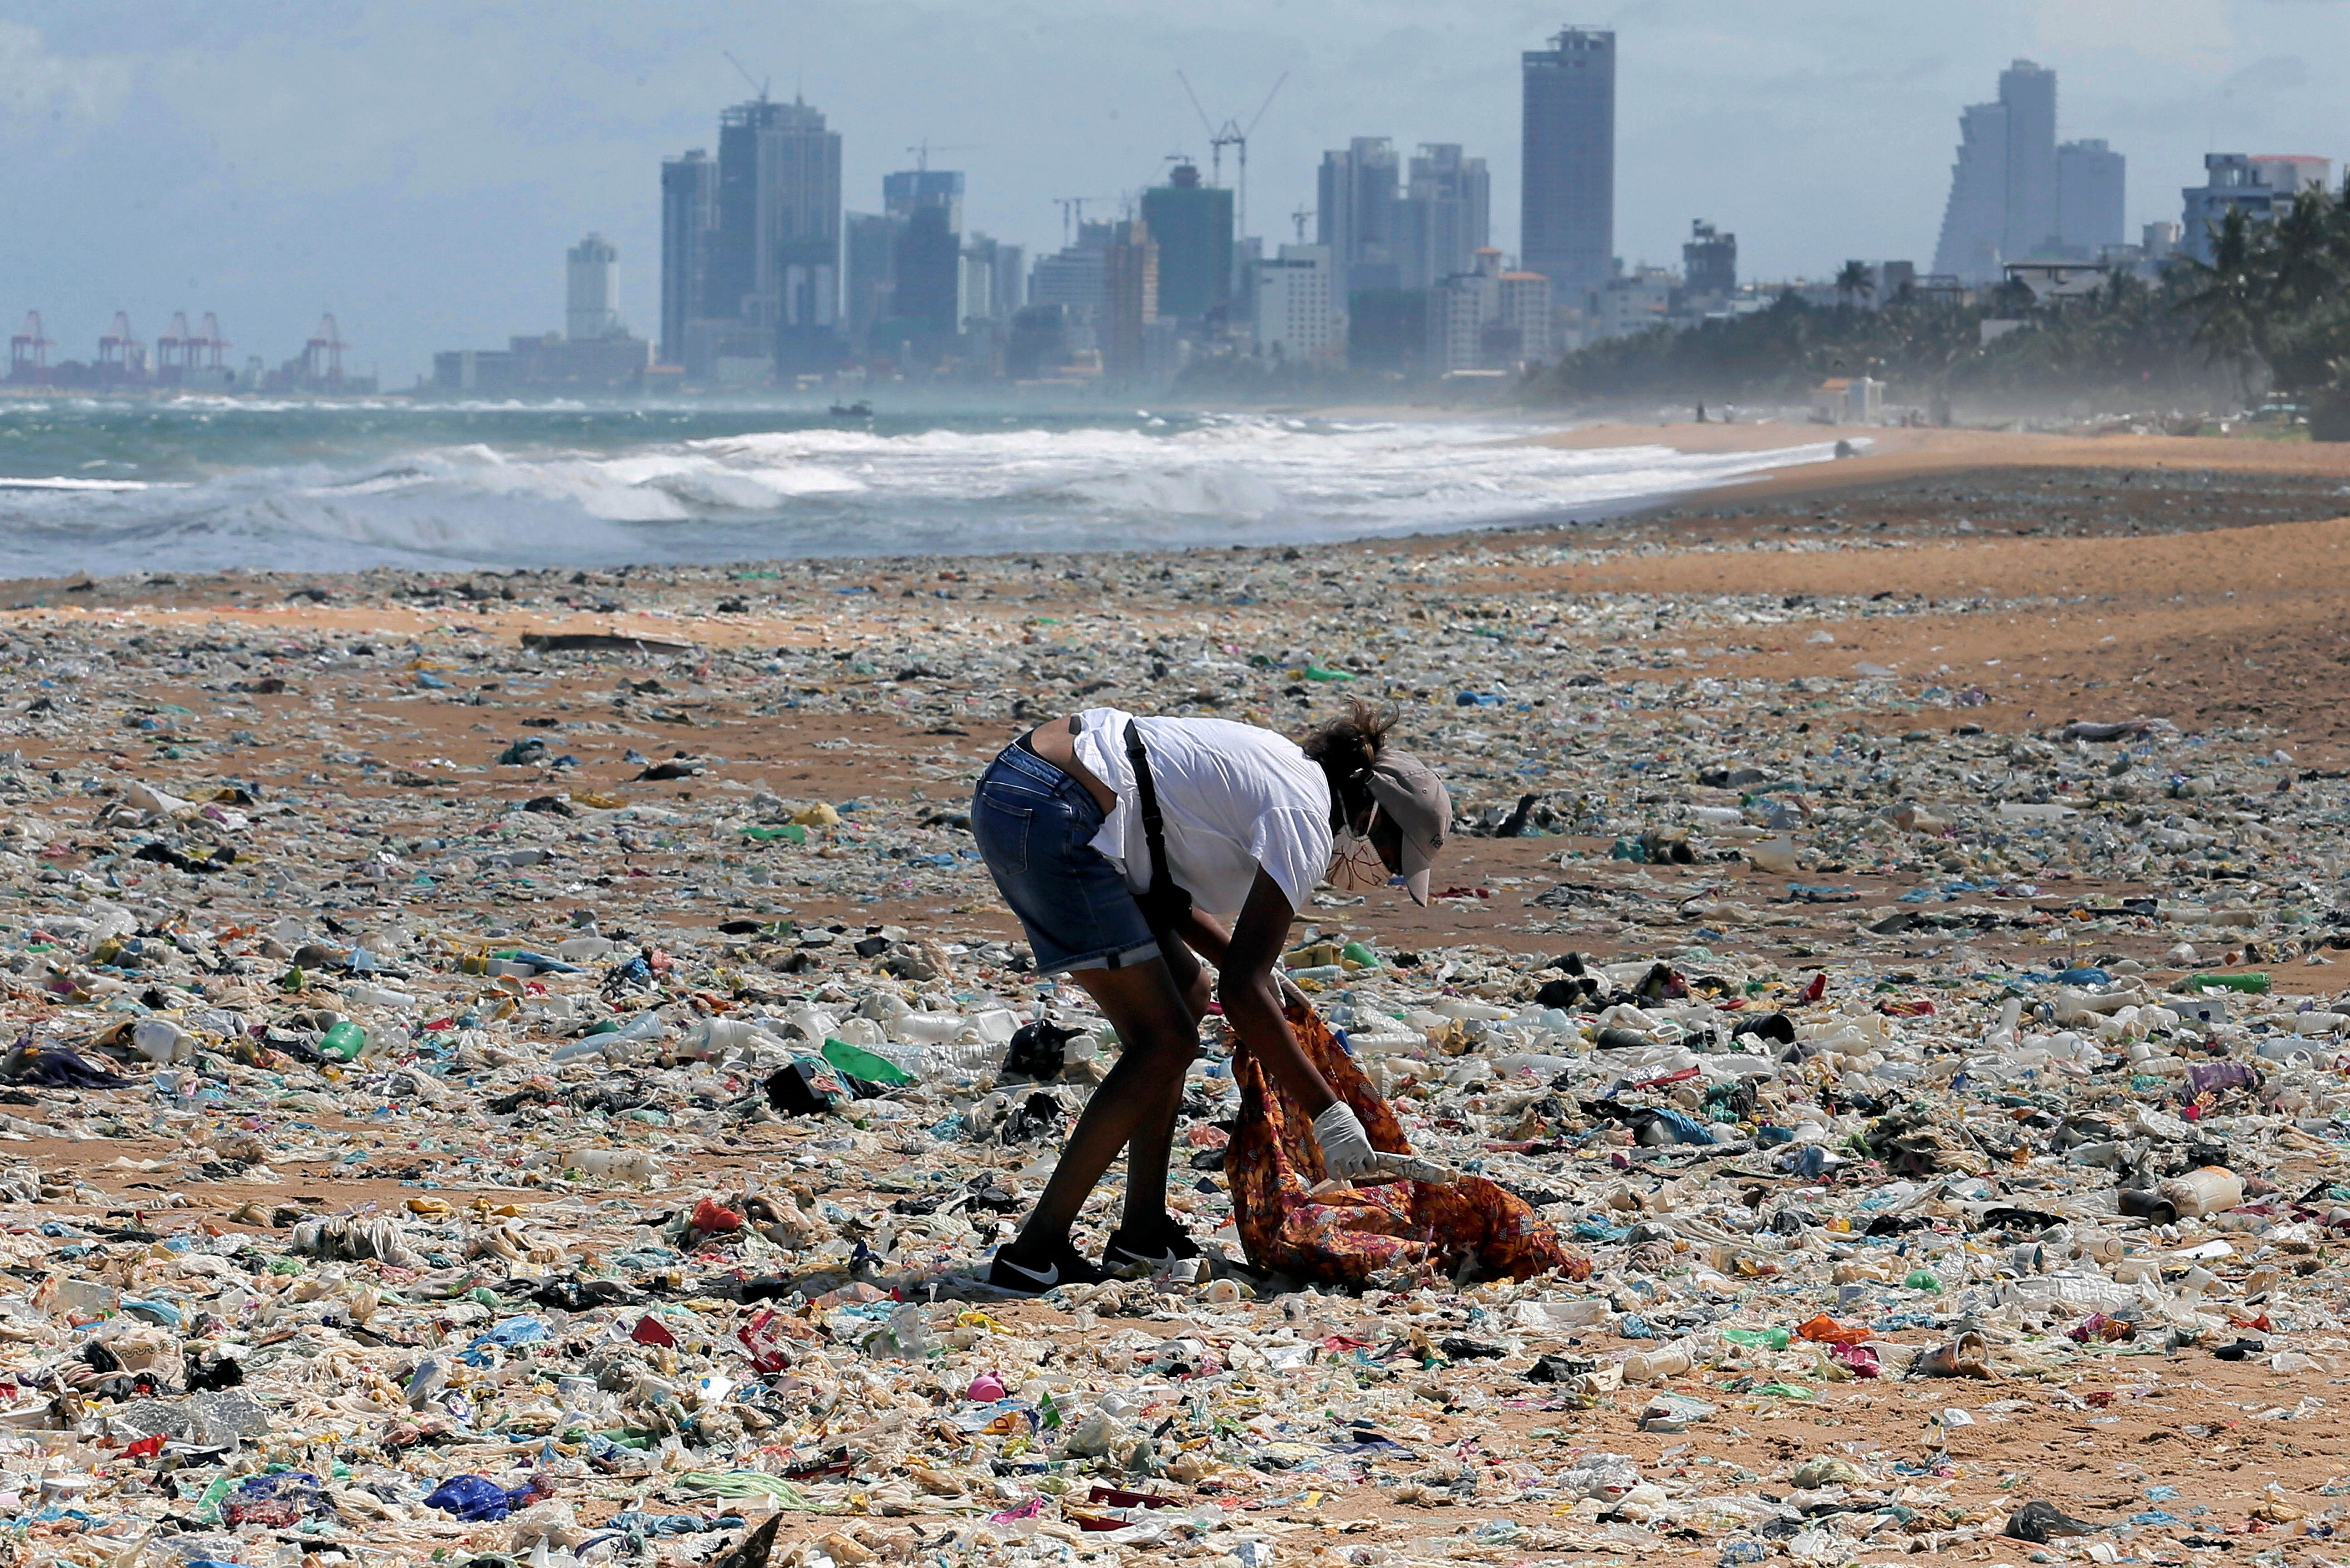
1252,998
1204,935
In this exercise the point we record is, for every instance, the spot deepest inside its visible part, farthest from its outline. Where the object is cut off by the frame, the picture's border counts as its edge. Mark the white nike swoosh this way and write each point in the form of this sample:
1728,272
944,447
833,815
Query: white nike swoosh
1154,1259
1051,1276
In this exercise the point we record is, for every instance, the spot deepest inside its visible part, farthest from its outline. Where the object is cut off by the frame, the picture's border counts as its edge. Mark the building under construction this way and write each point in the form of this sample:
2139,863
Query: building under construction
183,359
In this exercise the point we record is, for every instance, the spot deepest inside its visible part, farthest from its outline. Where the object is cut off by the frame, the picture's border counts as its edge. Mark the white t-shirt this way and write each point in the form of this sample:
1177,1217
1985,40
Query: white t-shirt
1235,798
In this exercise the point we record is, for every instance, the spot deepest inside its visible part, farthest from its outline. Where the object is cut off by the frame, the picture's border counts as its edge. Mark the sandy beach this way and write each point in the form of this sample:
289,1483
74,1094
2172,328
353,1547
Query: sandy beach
1894,627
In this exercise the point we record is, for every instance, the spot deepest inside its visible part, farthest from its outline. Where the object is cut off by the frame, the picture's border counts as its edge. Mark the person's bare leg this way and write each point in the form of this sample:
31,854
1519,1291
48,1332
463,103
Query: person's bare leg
1134,1108
1150,1150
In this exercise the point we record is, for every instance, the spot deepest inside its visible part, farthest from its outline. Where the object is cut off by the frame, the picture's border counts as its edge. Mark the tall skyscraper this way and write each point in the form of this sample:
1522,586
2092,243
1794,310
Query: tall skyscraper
2004,204
591,290
925,187
1567,201
1130,300
870,241
2090,178
926,300
1192,225
688,218
769,274
1446,216
2028,92
1356,198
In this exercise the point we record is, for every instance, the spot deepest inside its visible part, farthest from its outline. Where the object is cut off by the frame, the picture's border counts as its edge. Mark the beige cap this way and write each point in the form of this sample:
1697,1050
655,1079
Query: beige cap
1413,799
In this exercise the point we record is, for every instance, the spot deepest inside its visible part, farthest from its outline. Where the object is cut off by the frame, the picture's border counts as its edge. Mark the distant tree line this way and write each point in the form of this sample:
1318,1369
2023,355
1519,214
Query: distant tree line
2269,313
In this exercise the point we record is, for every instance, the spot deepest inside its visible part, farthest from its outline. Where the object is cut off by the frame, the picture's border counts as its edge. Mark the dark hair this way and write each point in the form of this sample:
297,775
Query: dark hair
1347,746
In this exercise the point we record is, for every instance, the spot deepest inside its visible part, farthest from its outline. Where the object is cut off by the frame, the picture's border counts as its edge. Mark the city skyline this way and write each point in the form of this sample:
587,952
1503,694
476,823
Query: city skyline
246,162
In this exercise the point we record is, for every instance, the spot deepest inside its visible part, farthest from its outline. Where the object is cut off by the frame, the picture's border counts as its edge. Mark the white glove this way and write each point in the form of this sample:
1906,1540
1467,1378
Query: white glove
1346,1149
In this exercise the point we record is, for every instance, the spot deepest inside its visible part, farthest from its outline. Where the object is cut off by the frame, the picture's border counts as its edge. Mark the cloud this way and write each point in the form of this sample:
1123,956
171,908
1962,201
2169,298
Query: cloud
40,87
2198,35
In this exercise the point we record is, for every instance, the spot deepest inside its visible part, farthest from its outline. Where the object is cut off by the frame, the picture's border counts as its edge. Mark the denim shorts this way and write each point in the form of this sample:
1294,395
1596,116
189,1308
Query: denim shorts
1035,825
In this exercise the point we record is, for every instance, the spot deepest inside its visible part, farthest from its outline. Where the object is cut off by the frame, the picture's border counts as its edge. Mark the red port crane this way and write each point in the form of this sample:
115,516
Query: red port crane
209,342
172,355
322,356
121,355
28,351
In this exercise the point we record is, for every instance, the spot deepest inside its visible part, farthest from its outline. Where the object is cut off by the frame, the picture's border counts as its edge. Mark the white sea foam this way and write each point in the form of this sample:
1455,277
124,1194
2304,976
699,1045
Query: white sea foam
848,491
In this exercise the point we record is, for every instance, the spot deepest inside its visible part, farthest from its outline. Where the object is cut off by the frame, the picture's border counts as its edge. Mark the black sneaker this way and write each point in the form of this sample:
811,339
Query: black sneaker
1063,1266
1160,1245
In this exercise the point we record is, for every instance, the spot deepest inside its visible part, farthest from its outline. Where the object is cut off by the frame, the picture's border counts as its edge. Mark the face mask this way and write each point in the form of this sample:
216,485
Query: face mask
1355,865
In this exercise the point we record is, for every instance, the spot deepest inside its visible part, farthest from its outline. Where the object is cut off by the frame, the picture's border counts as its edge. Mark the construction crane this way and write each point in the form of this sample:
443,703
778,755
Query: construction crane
322,355
1299,217
28,351
923,152
1231,134
1073,215
756,84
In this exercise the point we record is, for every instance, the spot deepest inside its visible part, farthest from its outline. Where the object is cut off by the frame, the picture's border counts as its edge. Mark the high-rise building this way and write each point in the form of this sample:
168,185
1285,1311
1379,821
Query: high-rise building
770,262
1523,314
1193,225
1356,196
1567,197
993,280
2263,186
1297,314
929,269
2005,202
1075,278
688,218
1445,218
1708,263
909,189
2090,178
870,241
591,290
1131,301
1974,220
2035,220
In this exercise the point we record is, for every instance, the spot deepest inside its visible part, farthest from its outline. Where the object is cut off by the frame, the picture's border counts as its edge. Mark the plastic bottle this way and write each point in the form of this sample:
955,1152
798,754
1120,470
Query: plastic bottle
580,950
2213,1189
713,1036
344,1042
926,1028
361,994
161,1040
615,1164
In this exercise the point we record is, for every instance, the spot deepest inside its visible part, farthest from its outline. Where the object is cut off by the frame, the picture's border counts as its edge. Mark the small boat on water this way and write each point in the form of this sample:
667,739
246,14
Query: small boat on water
860,410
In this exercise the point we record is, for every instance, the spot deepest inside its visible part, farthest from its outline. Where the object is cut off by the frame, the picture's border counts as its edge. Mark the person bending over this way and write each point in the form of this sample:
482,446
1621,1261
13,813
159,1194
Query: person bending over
1131,848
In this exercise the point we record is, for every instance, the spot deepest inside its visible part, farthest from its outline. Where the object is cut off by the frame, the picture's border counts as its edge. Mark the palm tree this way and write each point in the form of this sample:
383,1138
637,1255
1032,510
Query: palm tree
2227,298
1855,282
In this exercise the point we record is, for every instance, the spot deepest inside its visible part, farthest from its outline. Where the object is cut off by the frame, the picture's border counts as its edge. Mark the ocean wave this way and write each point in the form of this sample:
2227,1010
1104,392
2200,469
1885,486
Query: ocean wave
824,489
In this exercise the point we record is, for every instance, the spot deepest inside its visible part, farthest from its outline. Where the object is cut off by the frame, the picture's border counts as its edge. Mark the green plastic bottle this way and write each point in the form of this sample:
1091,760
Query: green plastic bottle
858,1062
1360,954
344,1042
1761,1338
2253,984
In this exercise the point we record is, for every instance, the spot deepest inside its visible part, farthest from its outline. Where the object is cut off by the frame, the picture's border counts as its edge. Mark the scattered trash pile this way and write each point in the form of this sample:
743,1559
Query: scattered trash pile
510,1162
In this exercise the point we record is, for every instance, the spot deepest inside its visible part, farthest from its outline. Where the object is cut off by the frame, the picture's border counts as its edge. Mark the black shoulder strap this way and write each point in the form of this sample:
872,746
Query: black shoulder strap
1154,821
1166,899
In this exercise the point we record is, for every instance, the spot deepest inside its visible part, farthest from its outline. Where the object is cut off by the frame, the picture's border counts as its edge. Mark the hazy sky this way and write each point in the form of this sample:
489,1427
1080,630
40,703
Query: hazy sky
420,166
